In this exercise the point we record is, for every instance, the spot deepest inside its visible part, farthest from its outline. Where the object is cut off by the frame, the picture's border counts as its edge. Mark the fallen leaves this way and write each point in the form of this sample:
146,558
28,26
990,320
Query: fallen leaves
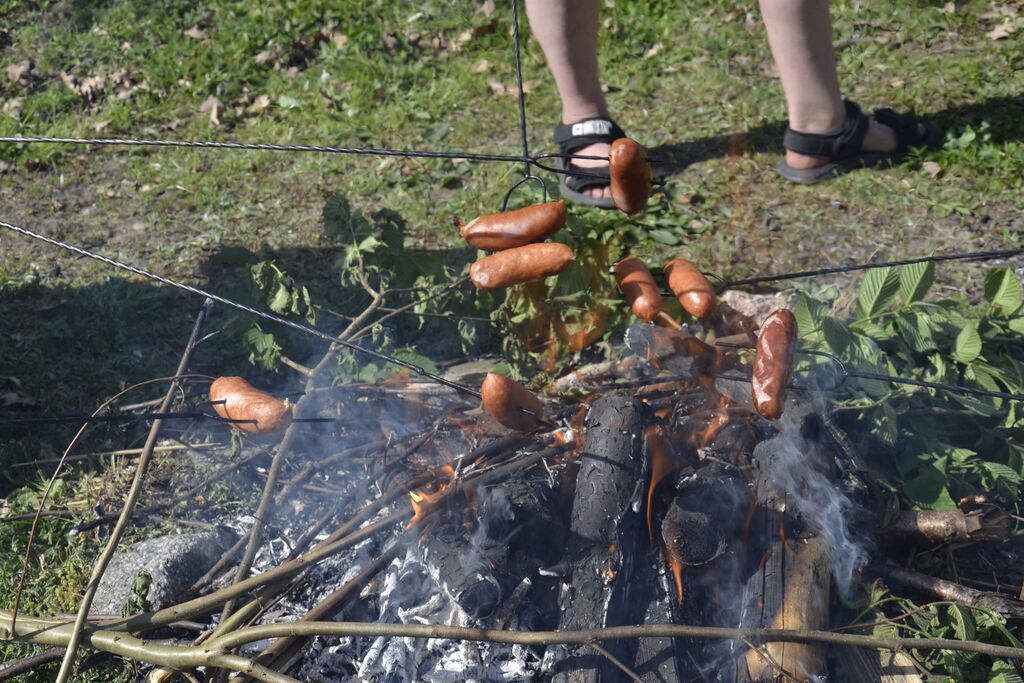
932,168
19,71
1003,30
215,108
499,89
258,105
89,88
196,33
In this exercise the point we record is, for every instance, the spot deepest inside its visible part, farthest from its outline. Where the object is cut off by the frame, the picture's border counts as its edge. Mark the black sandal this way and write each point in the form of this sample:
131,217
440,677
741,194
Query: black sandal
843,149
571,137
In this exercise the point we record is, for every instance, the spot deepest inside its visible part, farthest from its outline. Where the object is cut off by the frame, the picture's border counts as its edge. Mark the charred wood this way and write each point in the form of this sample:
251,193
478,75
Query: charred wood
605,528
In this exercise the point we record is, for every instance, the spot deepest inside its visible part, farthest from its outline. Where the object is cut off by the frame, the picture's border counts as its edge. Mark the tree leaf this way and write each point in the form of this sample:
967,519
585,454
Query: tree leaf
915,281
664,237
968,344
928,490
879,288
1002,289
808,313
837,334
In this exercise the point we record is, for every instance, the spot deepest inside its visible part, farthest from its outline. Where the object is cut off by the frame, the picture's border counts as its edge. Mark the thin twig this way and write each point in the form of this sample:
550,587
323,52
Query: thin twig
9,670
129,504
617,662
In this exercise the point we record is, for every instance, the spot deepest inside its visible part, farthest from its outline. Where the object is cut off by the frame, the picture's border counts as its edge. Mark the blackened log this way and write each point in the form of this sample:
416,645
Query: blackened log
605,531
705,515
456,566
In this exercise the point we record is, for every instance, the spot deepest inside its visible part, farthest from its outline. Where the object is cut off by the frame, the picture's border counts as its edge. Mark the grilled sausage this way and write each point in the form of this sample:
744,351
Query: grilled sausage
497,231
691,287
507,402
773,362
630,176
521,264
638,286
243,402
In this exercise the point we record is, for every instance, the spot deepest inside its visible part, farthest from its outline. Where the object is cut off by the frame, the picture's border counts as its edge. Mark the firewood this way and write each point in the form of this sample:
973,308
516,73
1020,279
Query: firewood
943,526
954,592
605,528
862,664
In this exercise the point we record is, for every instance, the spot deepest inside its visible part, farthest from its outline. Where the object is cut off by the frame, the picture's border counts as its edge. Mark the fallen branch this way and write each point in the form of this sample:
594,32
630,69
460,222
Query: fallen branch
44,632
943,526
953,592
9,670
758,635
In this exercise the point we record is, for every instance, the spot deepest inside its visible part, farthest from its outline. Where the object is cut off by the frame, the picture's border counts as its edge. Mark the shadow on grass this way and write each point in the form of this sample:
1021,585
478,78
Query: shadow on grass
65,349
1004,117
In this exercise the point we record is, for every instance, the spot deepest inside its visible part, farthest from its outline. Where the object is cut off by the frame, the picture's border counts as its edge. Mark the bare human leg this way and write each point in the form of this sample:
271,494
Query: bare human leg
800,37
567,32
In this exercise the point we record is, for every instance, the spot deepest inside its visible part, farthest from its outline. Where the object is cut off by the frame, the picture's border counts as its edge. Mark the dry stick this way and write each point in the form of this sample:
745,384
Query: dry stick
176,657
267,500
121,453
129,504
56,473
582,637
617,662
19,666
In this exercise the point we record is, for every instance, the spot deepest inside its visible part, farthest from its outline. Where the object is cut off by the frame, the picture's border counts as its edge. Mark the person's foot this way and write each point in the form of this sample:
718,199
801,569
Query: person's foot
599,149
879,138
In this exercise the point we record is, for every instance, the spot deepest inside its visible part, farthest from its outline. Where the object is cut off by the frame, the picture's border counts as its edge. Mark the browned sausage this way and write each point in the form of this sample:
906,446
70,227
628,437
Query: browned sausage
691,287
638,286
521,264
497,231
630,176
507,402
773,362
243,402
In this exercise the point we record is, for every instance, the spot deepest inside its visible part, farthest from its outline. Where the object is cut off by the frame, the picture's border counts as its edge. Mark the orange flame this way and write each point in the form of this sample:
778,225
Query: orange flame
675,564
424,501
663,463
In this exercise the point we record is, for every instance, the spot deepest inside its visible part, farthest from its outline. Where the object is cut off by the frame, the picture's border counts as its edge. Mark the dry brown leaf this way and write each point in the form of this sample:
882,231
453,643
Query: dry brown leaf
685,197
12,107
481,66
264,57
487,8
1003,30
5,167
196,33
496,87
98,126
258,105
339,40
897,82
932,168
949,8
214,107
653,50
18,70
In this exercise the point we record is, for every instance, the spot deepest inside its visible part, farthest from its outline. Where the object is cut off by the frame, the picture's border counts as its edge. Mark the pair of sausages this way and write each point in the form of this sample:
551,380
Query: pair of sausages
516,237
235,399
693,290
773,363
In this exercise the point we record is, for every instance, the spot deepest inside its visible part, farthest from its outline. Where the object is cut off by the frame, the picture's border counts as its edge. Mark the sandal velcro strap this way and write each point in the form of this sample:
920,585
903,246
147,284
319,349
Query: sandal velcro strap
573,136
905,126
847,142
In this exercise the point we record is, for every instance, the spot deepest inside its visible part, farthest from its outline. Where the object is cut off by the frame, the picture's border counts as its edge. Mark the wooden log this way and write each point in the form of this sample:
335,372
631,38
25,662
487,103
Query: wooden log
605,528
877,666
943,526
802,605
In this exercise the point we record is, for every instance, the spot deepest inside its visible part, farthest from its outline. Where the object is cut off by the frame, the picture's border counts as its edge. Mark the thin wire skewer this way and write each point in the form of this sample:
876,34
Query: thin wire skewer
133,417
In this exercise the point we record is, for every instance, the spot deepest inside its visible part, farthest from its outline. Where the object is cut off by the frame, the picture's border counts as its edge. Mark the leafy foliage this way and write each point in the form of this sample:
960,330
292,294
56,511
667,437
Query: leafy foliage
931,446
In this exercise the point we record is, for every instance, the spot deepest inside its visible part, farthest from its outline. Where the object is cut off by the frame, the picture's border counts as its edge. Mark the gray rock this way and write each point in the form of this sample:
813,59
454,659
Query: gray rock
755,306
174,562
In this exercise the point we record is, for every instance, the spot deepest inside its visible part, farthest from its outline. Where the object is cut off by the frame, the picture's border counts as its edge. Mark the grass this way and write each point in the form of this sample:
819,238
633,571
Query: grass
691,81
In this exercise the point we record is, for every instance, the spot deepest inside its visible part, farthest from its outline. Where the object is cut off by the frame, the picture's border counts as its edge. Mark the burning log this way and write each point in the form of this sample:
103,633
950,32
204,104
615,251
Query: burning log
943,526
479,547
605,527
